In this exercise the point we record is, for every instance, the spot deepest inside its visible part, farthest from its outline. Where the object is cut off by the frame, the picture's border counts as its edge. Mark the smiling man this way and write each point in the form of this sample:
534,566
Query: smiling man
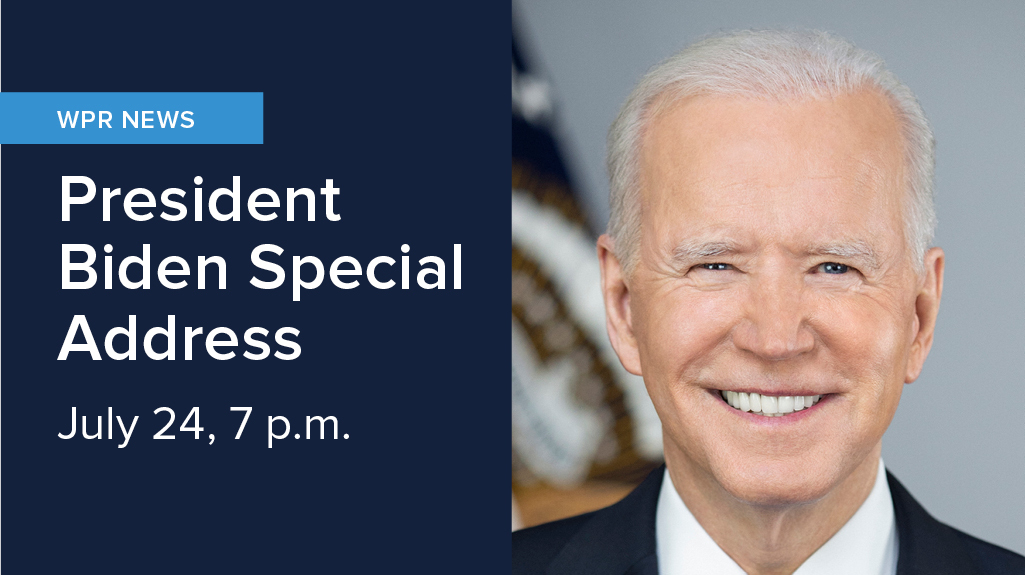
768,272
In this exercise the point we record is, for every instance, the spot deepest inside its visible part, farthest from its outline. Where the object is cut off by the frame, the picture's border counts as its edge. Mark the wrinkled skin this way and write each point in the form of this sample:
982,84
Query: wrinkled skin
773,260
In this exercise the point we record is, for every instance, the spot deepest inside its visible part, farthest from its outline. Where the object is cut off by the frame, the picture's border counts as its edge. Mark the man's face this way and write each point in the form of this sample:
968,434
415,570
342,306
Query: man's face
773,261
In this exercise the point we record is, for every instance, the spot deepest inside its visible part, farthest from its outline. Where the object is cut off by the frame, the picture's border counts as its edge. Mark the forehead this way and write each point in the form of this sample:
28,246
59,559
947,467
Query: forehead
812,166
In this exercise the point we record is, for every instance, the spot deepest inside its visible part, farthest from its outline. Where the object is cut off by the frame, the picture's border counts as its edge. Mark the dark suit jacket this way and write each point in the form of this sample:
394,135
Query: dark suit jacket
620,540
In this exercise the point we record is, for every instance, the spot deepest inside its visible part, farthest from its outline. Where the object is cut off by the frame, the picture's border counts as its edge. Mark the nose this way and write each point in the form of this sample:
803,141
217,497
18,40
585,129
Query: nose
775,323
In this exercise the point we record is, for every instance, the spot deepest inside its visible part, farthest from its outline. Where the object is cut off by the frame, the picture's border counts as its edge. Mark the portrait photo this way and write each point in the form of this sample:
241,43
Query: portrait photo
768,306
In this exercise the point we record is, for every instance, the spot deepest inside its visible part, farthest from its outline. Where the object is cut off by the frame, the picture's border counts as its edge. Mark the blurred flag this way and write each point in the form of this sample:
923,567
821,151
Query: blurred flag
577,416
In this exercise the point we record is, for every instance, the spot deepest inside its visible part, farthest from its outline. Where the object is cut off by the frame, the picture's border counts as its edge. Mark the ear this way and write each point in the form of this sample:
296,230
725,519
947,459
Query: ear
616,294
927,305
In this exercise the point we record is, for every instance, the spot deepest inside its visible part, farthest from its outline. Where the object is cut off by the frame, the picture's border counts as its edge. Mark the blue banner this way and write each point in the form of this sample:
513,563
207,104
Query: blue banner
131,117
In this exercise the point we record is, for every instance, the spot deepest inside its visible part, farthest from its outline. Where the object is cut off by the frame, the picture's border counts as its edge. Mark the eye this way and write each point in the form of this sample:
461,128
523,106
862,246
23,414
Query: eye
833,268
715,267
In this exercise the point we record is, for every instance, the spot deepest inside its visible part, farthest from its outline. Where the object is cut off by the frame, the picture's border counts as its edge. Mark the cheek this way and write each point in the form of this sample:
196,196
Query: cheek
680,329
870,343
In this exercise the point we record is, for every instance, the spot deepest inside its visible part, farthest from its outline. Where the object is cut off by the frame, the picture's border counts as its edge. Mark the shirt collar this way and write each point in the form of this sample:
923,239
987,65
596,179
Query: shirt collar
866,544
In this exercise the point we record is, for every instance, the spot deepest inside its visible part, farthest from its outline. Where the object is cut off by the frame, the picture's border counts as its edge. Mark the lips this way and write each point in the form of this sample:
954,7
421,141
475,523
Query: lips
769,405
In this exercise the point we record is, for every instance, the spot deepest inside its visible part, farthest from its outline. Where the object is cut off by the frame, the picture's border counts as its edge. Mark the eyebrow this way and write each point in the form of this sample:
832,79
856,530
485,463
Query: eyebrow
859,250
693,250
855,250
685,253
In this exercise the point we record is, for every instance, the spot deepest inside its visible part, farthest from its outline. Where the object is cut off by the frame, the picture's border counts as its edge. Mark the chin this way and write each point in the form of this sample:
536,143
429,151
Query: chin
778,483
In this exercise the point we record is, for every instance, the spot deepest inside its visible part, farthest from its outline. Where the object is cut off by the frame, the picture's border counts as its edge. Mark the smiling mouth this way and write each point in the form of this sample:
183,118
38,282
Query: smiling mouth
769,405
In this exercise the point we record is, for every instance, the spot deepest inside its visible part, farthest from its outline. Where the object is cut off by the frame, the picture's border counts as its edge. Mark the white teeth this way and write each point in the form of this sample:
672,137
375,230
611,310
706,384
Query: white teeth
745,402
769,405
756,402
786,404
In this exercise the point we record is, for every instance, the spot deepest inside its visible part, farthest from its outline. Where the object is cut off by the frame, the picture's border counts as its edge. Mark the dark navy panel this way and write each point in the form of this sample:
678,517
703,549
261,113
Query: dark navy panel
404,106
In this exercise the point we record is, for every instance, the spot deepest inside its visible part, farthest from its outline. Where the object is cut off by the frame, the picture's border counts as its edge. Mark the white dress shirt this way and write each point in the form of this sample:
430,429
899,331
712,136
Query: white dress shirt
865,545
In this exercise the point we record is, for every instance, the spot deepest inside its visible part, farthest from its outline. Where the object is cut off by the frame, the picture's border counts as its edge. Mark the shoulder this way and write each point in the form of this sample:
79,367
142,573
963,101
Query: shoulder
611,541
534,548
991,558
930,546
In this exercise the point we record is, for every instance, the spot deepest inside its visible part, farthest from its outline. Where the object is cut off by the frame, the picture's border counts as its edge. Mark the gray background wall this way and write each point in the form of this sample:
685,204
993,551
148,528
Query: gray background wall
958,440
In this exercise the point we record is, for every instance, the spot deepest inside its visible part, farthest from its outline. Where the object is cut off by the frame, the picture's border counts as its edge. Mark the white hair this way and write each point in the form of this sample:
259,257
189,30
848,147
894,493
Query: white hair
767,64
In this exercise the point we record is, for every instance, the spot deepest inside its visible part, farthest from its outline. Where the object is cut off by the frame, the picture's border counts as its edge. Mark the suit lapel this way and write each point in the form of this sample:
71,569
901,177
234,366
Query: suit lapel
617,540
926,545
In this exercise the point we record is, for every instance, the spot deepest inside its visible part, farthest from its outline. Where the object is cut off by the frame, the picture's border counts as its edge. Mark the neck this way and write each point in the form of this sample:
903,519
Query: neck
770,539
